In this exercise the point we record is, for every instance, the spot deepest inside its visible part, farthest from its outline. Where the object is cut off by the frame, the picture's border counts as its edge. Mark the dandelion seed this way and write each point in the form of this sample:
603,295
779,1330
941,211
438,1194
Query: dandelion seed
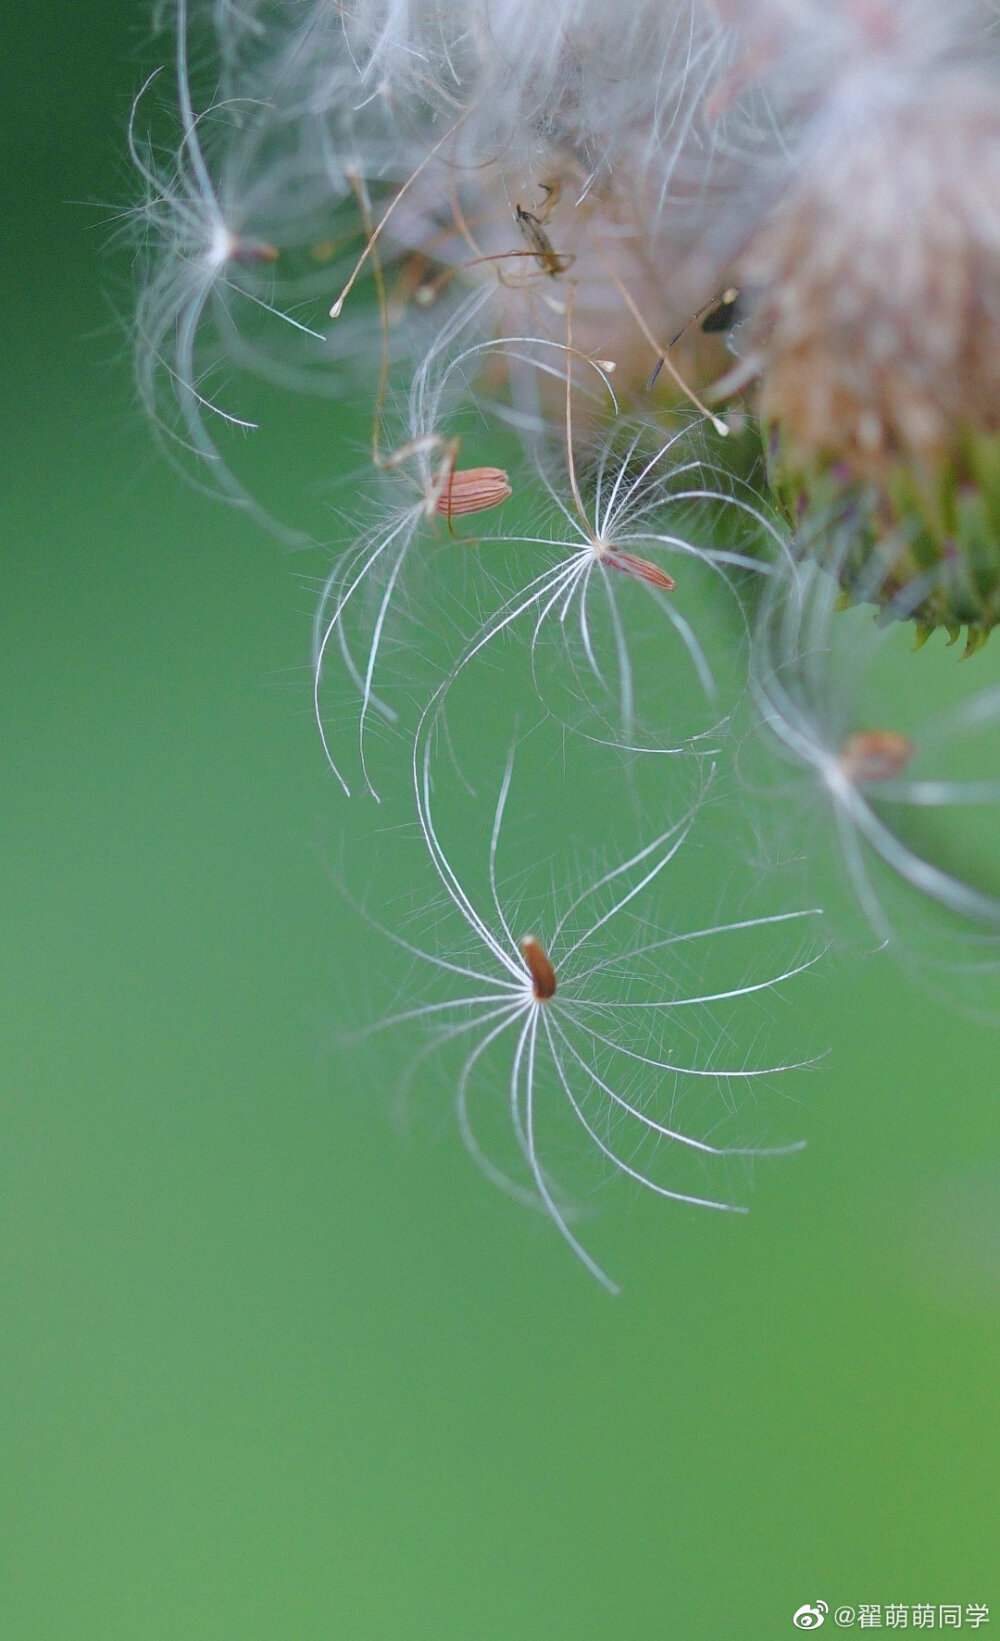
635,494
577,1045
204,267
425,465
426,485
817,670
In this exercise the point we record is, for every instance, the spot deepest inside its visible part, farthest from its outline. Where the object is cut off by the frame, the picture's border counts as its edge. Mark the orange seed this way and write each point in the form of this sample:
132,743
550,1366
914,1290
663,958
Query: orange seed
540,969
631,564
875,755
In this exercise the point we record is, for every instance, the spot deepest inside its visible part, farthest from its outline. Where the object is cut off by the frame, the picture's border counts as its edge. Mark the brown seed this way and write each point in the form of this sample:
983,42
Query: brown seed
249,251
631,564
473,490
875,755
542,973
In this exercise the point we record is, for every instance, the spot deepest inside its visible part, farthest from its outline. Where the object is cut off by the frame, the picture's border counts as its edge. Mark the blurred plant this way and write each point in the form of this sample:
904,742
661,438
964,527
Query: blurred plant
576,258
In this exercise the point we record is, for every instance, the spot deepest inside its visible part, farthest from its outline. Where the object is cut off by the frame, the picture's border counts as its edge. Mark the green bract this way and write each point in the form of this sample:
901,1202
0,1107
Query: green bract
923,544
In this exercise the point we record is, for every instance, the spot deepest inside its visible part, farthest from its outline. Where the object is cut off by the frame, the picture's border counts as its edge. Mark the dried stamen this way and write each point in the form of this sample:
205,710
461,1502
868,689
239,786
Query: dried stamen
875,755
472,490
542,973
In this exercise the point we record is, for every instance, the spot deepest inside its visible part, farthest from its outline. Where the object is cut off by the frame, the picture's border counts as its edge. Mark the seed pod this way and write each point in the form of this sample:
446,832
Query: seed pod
472,490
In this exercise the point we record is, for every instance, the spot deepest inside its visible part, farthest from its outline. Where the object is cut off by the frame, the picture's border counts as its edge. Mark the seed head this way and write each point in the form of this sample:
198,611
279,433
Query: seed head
877,330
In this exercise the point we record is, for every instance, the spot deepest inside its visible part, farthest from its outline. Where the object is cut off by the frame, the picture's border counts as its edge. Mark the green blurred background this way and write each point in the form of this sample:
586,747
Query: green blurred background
273,1365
